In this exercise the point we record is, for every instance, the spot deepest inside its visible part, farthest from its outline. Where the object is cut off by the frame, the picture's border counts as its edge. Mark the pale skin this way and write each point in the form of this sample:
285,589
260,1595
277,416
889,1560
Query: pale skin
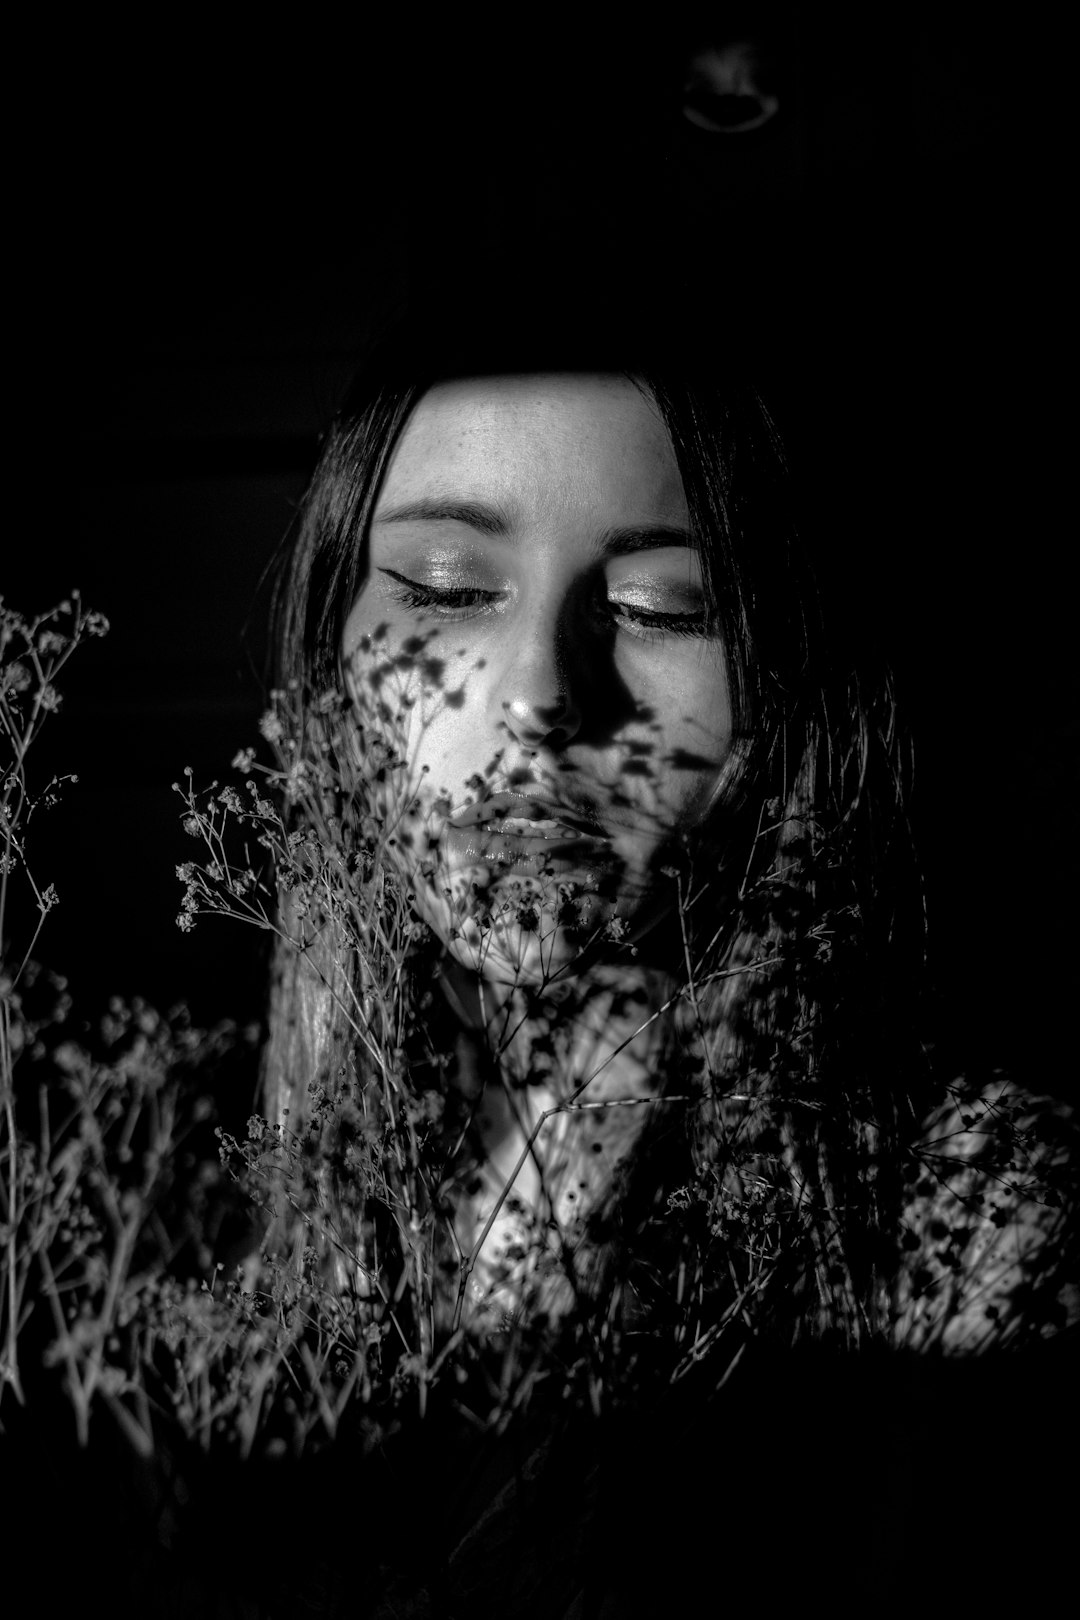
532,534
533,613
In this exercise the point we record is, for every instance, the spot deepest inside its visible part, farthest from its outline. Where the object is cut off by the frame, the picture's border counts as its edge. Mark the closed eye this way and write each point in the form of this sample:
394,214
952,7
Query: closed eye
652,626
467,602
459,602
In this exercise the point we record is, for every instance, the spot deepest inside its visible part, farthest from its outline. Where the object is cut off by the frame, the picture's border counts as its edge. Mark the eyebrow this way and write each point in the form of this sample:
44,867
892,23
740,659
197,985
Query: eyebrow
488,518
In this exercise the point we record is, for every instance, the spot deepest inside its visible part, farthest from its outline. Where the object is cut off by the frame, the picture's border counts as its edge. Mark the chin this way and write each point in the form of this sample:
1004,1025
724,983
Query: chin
515,930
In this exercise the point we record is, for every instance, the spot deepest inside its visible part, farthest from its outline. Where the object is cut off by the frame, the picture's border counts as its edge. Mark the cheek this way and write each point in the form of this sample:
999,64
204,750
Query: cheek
446,721
423,694
689,733
392,668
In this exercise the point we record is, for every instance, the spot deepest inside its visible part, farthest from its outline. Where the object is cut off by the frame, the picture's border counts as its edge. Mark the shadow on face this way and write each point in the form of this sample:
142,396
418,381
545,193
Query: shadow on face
533,643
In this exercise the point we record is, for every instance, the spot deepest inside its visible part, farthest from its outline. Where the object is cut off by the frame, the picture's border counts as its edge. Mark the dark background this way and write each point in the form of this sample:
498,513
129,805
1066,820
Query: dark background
209,225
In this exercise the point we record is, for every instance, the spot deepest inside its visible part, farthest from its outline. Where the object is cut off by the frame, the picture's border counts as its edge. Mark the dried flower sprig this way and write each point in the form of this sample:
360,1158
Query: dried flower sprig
267,1291
33,652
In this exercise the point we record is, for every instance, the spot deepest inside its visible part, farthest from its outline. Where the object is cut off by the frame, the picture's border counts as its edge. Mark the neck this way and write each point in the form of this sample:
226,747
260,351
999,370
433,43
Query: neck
561,1027
551,1118
484,1003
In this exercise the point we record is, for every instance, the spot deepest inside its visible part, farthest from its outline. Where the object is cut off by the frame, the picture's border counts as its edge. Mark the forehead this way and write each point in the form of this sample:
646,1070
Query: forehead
539,438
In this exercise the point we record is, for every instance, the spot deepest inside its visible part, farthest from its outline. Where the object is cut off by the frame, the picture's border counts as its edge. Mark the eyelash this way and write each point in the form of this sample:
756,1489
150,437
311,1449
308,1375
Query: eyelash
457,605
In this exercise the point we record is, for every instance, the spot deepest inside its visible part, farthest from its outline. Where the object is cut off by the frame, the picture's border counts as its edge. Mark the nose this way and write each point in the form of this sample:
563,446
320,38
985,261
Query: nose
537,725
536,698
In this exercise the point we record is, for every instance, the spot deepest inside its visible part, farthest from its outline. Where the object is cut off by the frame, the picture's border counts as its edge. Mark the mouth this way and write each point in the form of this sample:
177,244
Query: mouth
526,815
519,833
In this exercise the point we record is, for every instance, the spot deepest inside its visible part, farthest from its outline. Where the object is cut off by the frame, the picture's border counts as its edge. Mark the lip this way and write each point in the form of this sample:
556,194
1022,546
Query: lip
567,855
529,818
523,834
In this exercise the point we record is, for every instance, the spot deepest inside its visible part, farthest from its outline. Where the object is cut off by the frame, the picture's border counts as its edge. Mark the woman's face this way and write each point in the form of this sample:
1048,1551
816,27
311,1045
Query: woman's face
532,637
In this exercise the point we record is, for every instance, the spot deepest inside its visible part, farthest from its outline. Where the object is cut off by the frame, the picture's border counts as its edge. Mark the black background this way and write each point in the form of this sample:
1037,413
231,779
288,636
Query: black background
209,223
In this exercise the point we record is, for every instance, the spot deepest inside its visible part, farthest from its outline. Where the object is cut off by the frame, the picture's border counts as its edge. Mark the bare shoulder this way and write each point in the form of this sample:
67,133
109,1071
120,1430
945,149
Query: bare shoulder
989,1227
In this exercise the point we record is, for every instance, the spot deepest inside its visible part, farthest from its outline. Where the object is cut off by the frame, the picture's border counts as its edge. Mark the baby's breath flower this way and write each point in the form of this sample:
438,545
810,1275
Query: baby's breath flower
49,698
271,727
68,1057
244,760
185,922
96,624
231,800
295,781
192,826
